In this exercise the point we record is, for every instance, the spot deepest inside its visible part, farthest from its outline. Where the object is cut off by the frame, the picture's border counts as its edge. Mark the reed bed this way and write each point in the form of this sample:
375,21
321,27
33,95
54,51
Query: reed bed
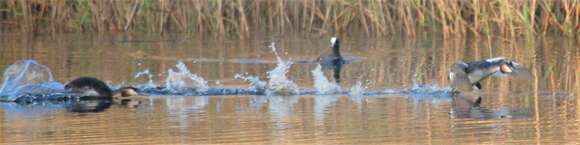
243,17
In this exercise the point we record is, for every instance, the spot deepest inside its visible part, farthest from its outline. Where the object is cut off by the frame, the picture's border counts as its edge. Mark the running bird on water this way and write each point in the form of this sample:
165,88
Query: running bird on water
467,76
333,60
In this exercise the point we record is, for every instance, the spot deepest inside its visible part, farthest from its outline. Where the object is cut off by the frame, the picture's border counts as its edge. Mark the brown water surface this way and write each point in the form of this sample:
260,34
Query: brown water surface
543,109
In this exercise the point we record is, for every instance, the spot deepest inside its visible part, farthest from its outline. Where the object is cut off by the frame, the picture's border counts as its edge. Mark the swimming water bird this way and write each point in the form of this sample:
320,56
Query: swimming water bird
466,77
333,60
95,88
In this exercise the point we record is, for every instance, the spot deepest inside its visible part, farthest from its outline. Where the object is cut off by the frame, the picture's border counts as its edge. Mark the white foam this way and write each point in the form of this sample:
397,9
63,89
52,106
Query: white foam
358,89
181,79
321,83
278,83
149,76
255,83
28,77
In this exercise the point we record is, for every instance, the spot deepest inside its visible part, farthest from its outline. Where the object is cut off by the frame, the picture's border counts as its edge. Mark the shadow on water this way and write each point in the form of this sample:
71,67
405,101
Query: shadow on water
89,106
462,108
81,106
394,92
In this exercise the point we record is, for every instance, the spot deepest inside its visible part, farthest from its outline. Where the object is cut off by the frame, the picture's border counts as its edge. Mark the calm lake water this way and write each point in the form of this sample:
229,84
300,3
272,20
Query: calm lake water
543,109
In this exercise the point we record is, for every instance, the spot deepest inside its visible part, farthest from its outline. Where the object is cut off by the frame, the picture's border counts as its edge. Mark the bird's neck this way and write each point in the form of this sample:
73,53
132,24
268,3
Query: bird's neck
480,74
336,51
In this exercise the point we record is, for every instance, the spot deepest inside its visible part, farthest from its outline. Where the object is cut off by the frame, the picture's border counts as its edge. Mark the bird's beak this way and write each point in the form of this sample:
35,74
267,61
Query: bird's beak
504,68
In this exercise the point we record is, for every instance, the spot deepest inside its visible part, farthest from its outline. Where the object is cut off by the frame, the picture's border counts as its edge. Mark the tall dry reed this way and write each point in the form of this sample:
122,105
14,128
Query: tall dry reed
242,17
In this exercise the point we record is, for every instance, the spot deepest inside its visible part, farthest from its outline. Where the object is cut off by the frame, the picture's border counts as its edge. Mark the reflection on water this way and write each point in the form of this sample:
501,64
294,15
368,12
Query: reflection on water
541,110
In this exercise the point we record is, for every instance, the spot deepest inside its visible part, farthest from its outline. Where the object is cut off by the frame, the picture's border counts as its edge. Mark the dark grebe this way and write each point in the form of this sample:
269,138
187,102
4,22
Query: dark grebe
333,61
93,87
466,76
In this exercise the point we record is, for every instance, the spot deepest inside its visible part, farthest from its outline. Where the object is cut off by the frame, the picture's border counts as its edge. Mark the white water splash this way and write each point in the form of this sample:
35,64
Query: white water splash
255,83
321,83
149,76
278,83
23,73
429,89
182,79
28,77
358,89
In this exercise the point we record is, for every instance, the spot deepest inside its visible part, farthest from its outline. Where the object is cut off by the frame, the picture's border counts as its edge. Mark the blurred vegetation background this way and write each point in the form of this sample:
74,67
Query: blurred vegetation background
455,18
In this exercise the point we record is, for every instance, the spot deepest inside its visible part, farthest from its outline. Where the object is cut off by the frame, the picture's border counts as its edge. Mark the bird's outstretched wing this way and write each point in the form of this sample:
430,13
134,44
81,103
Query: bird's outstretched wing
459,79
